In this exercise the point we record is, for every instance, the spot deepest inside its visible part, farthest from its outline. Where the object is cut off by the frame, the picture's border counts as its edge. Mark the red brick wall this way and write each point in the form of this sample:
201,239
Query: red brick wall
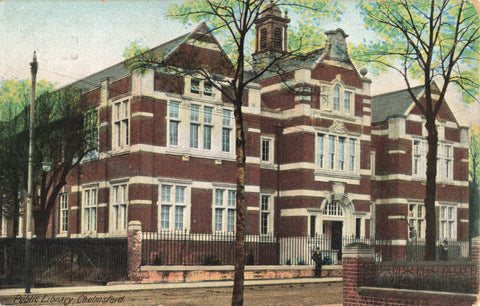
201,213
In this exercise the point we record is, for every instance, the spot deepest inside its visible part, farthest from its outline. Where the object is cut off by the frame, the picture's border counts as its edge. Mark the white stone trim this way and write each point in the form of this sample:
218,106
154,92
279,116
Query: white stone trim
140,202
294,212
254,130
253,208
142,114
397,152
464,220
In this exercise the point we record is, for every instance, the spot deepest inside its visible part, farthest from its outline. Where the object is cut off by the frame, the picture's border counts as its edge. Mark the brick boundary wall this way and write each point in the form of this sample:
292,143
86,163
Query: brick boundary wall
155,274
359,266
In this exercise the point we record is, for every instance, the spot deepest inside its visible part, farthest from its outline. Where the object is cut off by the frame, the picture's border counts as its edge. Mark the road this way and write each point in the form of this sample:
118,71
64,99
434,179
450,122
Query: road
289,294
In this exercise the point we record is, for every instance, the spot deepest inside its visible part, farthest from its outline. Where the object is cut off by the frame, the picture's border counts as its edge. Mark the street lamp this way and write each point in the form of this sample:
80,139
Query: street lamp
28,236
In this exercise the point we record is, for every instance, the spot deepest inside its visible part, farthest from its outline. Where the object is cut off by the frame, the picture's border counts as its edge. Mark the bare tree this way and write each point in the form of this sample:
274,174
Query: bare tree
231,76
434,42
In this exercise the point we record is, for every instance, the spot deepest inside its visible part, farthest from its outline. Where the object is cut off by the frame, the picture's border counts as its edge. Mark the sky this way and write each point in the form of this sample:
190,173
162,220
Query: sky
74,39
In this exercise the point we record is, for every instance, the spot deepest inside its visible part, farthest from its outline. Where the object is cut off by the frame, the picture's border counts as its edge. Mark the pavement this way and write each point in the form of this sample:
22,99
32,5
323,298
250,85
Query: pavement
130,286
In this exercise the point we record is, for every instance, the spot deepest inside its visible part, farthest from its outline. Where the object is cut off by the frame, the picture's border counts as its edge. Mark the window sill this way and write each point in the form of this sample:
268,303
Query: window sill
337,174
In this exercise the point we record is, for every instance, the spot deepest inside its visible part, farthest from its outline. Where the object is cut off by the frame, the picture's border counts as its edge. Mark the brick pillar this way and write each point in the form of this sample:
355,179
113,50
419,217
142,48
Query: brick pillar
475,258
134,251
358,269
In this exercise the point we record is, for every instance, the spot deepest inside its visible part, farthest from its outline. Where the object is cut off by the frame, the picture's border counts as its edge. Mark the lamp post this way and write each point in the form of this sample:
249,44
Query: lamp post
28,236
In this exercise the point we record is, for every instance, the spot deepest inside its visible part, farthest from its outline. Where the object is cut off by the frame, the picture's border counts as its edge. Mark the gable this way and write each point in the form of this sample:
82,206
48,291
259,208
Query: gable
325,72
201,49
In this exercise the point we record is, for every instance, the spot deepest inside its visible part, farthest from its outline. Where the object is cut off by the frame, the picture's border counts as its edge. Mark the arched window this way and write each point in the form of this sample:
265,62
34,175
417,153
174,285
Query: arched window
263,39
277,38
333,209
336,97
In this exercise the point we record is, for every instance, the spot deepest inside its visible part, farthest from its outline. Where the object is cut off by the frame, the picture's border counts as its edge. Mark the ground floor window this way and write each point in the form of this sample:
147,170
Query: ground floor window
89,203
64,212
266,214
174,207
416,220
448,222
224,210
118,208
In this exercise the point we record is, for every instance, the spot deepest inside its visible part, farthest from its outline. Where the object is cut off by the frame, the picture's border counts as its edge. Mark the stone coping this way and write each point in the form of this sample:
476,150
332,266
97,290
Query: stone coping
411,291
231,268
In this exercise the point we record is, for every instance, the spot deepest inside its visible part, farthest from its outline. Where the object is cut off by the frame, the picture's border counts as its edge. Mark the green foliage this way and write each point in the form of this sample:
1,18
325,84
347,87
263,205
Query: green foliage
135,48
15,95
424,40
304,35
474,152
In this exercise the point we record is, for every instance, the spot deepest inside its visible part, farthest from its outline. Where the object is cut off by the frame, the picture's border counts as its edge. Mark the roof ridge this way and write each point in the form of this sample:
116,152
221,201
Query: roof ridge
397,91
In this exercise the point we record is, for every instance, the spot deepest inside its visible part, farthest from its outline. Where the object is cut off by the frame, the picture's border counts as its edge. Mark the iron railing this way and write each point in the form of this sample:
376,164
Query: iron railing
182,248
64,261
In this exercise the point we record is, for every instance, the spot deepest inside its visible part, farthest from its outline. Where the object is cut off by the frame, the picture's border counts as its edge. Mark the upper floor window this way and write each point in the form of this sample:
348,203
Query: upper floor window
224,210
121,118
336,153
90,123
444,159
226,130
118,208
63,212
89,203
337,99
201,87
174,121
267,150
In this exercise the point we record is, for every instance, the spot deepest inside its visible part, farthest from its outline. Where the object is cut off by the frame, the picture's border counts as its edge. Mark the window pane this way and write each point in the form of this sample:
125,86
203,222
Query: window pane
194,112
218,219
165,216
265,202
347,98
226,117
226,140
231,198
320,150
352,154
231,220
179,194
332,151
341,153
173,133
336,97
179,217
264,223
173,109
207,89
166,193
265,150
195,86
207,114
194,135
218,197
207,137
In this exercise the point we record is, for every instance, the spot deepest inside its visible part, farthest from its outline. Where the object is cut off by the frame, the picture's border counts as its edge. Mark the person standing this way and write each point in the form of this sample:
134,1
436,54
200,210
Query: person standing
317,258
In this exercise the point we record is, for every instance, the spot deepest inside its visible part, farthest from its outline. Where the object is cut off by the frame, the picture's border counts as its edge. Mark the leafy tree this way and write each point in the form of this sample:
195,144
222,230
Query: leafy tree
434,42
62,138
135,47
474,171
234,21
14,97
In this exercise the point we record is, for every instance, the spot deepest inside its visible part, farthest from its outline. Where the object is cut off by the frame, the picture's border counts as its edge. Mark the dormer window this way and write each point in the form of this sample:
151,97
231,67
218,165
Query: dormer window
337,99
207,89
195,86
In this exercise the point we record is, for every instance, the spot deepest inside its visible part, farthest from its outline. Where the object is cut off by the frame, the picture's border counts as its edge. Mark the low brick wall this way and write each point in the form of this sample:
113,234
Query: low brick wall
400,297
359,271
157,274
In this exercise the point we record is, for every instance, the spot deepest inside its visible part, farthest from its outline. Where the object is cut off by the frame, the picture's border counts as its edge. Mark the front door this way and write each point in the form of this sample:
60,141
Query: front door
337,227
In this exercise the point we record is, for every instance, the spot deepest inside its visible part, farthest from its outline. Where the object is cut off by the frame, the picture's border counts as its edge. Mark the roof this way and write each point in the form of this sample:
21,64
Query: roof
303,61
119,71
392,104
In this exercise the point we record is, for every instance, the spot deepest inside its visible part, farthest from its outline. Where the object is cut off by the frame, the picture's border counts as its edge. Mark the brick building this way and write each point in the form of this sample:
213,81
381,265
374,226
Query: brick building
322,157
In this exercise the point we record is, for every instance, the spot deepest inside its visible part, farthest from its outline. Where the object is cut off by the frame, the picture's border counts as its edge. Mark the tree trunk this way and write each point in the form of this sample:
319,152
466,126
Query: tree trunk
40,224
431,190
238,281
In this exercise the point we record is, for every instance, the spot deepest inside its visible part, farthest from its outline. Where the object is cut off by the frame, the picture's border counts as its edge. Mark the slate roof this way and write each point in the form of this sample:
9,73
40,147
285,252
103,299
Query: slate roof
119,71
392,104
